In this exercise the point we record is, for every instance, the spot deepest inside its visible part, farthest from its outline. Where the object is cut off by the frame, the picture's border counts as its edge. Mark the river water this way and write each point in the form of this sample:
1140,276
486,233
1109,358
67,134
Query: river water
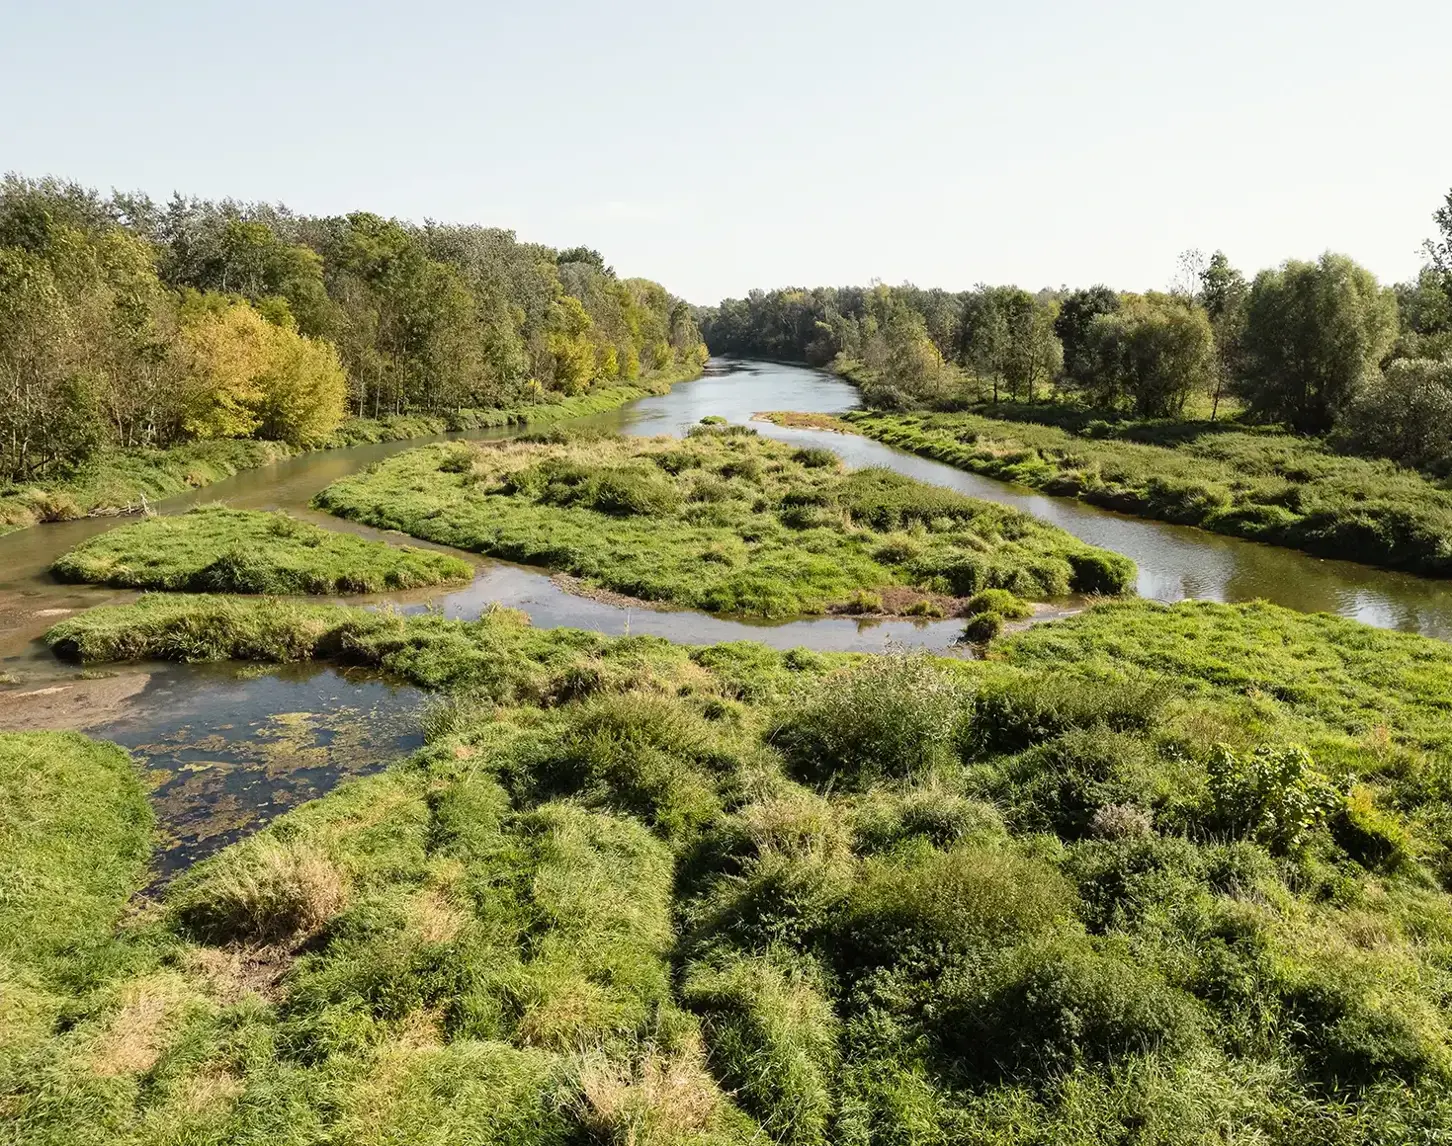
227,748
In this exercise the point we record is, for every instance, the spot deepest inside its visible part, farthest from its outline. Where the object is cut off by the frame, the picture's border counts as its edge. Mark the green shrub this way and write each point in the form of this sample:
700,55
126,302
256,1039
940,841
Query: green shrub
892,716
1273,795
1057,1005
970,900
887,818
1027,711
981,628
266,889
1102,572
1061,784
816,458
644,755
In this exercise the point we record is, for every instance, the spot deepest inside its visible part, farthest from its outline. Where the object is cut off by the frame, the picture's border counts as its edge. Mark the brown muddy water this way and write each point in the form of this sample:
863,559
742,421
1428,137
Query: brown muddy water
226,749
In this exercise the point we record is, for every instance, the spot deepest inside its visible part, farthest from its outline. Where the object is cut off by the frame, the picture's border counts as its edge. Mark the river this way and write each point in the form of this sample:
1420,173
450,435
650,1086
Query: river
226,748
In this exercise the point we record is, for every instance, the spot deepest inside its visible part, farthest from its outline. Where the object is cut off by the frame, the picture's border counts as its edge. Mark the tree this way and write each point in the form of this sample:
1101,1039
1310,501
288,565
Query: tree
1076,313
1154,351
1314,334
1222,292
1424,308
1405,415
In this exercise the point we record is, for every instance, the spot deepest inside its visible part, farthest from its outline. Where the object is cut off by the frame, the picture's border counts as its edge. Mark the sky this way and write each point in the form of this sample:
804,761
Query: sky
720,147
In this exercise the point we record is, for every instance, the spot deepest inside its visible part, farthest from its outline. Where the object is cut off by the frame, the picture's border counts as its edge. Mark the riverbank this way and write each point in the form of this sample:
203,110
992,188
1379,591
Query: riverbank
1083,885
1268,487
125,481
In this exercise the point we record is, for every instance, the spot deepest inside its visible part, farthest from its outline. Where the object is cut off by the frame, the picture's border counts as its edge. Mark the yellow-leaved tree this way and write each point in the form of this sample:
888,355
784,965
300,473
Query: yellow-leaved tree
224,349
246,375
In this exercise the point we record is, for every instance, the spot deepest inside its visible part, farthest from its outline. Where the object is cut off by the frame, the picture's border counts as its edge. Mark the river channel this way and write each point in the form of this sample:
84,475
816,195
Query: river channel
226,747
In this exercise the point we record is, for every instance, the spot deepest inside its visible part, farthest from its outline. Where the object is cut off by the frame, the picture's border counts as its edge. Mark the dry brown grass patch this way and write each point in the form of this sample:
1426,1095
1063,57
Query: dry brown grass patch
662,1099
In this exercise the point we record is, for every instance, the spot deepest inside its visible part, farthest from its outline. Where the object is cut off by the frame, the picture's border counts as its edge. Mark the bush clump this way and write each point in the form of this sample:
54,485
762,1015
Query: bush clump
892,716
264,890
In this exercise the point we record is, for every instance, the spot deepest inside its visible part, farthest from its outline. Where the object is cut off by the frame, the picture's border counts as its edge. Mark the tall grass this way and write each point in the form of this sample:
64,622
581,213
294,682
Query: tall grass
1040,897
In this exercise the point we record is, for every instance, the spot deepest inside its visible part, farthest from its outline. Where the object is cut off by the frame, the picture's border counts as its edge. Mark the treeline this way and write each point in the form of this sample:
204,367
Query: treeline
1314,345
124,322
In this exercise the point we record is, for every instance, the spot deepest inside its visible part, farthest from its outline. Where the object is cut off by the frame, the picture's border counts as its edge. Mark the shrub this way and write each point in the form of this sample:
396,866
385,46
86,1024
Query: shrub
645,755
971,899
1103,572
816,458
1057,1005
893,715
942,817
1030,710
1060,784
262,890
1273,795
982,628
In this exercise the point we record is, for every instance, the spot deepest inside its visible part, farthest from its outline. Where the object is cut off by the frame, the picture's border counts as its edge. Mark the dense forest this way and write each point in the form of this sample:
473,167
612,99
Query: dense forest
1317,346
125,322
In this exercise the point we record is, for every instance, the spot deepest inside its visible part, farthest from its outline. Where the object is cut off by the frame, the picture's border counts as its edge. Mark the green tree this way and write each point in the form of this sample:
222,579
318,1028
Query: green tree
1405,415
1154,351
1076,314
1223,292
1314,334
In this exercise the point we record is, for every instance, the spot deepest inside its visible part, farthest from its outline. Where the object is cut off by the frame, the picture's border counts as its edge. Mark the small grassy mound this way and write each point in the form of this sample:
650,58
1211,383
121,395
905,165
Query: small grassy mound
214,549
723,521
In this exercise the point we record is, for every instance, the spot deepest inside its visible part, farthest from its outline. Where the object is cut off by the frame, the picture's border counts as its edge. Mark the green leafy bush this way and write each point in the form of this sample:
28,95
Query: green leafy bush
1273,795
893,716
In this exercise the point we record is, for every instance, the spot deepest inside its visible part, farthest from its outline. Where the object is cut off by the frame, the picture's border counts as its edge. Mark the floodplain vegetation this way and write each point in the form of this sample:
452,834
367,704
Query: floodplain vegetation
1118,881
216,549
129,480
1266,486
724,521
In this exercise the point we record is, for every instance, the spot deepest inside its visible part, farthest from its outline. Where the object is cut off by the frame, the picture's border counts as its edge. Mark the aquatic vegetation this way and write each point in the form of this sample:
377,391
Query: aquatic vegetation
723,521
220,550
725,895
1265,486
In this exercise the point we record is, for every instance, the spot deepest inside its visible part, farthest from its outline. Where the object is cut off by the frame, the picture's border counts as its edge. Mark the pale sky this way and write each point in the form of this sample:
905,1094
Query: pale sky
717,147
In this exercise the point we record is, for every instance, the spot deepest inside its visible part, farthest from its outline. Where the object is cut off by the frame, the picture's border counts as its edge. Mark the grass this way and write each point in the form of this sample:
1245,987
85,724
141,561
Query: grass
650,893
75,838
723,521
124,481
1262,485
217,549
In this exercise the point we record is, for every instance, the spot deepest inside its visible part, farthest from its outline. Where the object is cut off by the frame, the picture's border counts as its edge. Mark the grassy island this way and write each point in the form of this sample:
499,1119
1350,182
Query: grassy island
217,549
725,521
1254,483
1089,889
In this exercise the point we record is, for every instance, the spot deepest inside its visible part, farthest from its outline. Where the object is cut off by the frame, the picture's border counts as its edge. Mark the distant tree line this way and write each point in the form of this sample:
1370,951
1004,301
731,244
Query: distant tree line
1319,346
124,322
